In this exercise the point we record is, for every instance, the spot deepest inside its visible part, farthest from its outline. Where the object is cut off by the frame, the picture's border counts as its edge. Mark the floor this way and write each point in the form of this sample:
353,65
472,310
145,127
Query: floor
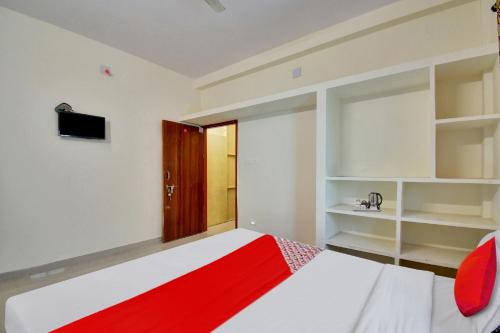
19,285
222,227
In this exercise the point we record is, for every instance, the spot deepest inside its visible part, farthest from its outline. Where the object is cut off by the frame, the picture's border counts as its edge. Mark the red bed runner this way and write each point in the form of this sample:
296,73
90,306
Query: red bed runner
198,301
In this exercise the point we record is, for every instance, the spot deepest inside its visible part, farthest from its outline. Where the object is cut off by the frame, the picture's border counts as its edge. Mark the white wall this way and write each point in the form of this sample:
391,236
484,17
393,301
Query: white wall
61,198
443,30
276,175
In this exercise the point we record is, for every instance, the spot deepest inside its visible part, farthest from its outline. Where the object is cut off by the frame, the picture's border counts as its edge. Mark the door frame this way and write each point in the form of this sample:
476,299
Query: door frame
205,179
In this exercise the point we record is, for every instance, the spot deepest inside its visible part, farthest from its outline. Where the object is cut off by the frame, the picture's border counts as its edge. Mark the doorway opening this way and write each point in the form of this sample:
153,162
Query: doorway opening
221,177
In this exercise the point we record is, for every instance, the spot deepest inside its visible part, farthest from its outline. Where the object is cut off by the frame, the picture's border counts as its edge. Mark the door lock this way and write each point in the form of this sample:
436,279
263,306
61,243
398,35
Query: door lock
170,191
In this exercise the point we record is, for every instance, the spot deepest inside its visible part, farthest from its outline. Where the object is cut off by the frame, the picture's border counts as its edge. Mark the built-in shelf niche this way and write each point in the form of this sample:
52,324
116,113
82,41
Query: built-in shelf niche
437,244
469,147
366,231
341,198
467,87
474,206
468,152
362,234
468,118
381,127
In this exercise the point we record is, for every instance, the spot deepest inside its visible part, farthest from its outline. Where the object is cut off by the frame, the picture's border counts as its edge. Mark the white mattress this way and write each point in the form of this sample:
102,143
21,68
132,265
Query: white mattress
328,294
445,315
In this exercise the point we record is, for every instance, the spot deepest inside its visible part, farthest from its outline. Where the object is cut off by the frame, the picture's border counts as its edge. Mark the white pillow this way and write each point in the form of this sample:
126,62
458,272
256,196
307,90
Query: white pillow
488,319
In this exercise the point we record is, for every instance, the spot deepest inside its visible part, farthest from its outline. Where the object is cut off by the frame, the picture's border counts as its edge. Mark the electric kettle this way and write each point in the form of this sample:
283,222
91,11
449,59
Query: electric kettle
375,199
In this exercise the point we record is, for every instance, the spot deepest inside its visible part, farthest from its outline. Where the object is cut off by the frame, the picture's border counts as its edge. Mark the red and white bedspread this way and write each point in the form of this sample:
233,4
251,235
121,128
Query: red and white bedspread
215,277
251,289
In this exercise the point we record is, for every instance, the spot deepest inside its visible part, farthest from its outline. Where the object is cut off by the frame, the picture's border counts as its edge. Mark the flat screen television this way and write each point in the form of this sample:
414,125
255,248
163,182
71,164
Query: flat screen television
81,125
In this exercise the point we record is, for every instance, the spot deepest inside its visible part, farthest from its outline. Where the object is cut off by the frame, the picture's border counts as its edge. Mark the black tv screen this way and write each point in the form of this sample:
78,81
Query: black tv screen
81,125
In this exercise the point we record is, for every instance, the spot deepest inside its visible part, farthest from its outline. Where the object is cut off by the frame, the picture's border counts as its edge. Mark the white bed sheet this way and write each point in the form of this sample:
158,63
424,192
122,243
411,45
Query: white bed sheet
326,295
401,302
445,315
48,308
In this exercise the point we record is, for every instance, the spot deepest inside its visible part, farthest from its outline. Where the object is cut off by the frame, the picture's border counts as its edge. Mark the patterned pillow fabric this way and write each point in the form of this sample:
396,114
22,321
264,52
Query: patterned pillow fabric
296,254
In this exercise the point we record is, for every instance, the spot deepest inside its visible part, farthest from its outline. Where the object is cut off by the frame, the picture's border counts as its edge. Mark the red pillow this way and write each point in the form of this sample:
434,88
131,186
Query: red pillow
476,278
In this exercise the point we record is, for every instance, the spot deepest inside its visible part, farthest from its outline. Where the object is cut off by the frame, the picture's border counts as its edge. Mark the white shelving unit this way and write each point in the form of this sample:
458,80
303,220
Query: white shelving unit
426,135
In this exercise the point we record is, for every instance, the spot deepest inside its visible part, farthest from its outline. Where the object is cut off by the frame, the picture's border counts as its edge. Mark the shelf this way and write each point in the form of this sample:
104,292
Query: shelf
231,155
484,181
468,122
385,214
453,220
364,179
465,67
393,84
431,255
297,100
364,243
419,180
231,187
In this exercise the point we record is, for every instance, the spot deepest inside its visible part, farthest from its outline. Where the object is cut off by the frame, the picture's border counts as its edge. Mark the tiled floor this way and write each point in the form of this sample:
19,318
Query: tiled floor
19,285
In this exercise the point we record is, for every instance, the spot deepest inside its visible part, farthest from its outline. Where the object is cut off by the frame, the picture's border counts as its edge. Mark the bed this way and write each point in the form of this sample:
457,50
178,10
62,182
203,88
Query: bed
334,292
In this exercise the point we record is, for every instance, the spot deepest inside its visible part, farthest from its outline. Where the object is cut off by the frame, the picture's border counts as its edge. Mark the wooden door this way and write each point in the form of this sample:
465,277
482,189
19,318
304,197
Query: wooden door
183,181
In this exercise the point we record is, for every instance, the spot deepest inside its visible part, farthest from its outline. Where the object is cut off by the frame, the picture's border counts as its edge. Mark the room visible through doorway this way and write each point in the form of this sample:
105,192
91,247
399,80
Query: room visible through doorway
221,166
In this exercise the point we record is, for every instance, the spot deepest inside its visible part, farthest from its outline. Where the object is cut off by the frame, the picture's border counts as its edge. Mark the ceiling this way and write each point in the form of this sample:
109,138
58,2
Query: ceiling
187,36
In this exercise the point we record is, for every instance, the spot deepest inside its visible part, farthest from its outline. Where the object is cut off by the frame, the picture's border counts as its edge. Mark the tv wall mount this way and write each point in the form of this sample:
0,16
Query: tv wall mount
63,107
